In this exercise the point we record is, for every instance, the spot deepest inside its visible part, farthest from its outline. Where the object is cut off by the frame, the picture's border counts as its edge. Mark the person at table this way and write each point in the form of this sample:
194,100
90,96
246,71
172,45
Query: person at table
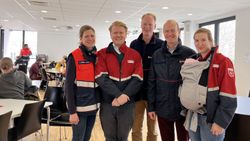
80,87
25,51
61,65
23,59
35,73
12,82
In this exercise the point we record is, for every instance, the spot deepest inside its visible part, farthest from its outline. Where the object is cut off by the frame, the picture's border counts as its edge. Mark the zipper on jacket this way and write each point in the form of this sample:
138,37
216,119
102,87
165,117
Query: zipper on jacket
120,77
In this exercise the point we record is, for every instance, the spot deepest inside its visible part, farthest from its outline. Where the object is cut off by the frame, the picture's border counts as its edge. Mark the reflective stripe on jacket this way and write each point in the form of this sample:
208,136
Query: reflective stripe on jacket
116,78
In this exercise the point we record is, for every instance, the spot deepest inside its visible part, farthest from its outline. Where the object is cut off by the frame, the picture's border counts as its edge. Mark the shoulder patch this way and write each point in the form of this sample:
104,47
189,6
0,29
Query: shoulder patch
230,72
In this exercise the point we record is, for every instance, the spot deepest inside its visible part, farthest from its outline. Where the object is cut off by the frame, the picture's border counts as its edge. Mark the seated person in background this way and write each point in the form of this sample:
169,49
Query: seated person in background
61,65
34,71
12,82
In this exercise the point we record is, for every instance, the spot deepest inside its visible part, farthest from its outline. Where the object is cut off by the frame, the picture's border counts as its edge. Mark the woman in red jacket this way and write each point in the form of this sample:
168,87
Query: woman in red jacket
212,119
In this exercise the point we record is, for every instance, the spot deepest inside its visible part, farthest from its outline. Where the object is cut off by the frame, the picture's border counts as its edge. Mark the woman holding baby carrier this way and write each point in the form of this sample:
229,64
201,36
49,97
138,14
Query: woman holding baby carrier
207,119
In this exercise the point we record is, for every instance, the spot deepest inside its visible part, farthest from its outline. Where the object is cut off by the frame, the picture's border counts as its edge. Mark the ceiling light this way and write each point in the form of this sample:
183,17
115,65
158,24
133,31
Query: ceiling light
77,25
189,14
165,7
44,11
5,20
118,12
107,21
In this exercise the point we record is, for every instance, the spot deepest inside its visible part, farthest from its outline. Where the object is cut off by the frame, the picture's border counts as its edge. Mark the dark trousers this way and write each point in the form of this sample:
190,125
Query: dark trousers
167,129
117,121
23,68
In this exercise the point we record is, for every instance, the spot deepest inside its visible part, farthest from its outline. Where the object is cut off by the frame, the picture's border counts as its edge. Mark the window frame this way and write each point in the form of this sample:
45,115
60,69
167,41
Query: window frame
216,26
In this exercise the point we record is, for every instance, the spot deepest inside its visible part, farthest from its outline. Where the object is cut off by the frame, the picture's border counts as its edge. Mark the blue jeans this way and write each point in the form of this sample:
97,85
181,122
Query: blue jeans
203,132
82,131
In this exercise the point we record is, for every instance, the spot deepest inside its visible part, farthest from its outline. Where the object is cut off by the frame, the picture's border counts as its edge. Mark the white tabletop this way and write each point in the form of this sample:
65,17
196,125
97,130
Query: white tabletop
36,83
16,106
53,70
243,104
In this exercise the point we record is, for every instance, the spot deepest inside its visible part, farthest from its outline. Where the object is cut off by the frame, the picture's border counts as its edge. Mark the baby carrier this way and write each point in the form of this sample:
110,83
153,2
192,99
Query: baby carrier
192,94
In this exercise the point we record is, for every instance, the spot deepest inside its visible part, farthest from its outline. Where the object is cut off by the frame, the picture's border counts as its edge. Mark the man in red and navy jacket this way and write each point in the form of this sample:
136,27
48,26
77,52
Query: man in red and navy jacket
119,74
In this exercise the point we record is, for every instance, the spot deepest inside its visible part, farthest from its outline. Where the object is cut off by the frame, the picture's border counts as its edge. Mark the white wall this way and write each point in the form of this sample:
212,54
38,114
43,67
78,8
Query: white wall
242,45
56,44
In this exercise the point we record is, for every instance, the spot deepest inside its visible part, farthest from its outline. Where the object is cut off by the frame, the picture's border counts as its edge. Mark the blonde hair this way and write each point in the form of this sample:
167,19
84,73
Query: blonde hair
206,31
149,14
118,23
85,28
6,63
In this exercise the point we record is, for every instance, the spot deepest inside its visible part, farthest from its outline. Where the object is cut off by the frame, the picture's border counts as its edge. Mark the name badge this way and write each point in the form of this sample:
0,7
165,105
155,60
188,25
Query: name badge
83,62
131,61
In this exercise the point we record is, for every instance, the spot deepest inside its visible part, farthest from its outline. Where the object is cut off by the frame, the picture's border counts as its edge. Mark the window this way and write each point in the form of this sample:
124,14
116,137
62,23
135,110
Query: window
13,42
223,31
227,38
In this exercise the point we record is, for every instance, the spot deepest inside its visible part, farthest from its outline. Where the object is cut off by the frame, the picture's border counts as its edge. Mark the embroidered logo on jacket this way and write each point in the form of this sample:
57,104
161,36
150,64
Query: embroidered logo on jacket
230,72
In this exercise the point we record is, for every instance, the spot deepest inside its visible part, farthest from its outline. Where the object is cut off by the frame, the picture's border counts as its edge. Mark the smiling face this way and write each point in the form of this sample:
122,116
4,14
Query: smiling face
171,32
148,25
88,39
203,41
118,35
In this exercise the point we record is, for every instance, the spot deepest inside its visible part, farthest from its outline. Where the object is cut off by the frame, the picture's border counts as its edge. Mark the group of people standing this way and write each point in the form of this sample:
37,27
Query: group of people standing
124,82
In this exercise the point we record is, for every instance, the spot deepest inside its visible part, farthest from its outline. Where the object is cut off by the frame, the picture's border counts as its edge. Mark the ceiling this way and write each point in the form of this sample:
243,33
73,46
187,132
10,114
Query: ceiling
70,14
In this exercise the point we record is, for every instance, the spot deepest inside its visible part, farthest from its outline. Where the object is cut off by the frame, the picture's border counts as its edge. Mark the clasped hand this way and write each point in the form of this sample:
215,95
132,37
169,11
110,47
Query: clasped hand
122,99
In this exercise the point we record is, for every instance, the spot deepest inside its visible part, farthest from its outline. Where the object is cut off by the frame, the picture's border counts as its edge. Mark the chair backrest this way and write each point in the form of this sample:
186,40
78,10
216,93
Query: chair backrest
57,97
30,119
4,122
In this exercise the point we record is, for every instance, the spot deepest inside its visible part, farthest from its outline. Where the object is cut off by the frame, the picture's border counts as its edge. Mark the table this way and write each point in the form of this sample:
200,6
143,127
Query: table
239,128
17,105
36,83
243,105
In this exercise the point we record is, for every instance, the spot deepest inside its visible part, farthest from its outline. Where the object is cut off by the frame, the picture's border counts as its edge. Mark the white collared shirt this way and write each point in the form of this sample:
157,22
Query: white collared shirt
116,49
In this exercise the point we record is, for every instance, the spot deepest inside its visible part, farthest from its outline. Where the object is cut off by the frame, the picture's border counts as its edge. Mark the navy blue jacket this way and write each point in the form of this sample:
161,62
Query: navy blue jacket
165,79
146,51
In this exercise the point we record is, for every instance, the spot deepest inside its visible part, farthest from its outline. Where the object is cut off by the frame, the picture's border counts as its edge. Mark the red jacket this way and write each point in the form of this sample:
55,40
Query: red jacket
221,100
116,78
25,52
